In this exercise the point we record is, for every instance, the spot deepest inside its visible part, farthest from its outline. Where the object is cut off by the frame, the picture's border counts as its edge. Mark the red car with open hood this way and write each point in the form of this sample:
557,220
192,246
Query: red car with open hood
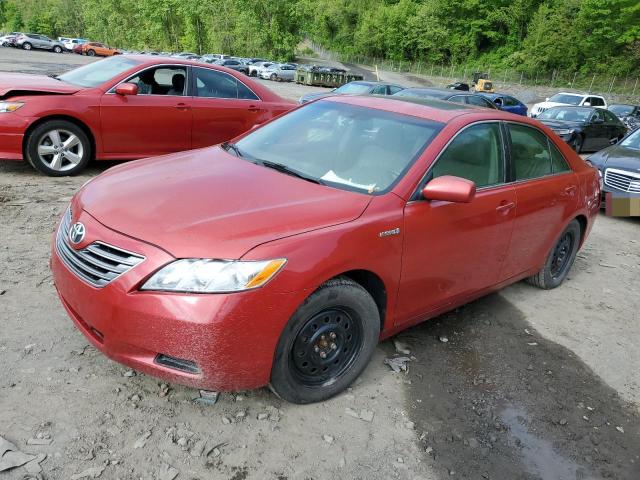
282,257
126,107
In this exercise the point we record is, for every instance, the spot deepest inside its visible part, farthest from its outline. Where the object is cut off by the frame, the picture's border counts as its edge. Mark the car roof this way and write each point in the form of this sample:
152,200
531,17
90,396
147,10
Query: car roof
425,108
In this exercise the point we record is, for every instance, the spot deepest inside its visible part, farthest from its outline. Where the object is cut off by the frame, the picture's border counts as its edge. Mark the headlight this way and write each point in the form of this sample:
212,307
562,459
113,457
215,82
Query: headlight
213,276
10,106
565,132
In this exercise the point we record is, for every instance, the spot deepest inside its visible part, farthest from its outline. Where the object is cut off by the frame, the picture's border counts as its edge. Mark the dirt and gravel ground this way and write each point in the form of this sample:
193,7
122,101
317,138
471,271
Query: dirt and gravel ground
523,384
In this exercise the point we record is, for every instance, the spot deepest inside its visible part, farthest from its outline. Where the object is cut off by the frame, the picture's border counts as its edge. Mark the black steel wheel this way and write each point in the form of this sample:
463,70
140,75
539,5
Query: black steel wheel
327,343
560,258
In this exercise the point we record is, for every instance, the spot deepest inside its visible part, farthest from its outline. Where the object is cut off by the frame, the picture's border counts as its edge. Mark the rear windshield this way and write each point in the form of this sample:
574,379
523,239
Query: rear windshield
422,93
621,110
97,73
567,114
340,145
353,88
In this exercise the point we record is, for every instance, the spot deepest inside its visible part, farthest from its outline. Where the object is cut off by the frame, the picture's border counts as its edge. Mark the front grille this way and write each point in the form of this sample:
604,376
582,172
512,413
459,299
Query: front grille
97,264
622,180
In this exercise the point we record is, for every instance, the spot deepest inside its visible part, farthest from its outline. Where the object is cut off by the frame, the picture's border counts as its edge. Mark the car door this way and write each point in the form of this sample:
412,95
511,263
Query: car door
616,128
598,131
152,122
223,107
546,190
453,251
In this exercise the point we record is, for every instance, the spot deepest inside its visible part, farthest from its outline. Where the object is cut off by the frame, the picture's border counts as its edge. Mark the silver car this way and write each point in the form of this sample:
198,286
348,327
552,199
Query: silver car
27,41
279,72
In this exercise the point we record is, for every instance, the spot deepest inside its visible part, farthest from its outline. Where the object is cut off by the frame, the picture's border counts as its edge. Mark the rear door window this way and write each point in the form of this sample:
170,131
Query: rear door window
558,162
530,153
479,101
213,84
475,154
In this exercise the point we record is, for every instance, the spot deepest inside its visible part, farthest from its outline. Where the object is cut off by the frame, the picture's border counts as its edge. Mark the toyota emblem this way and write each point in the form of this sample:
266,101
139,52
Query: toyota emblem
76,233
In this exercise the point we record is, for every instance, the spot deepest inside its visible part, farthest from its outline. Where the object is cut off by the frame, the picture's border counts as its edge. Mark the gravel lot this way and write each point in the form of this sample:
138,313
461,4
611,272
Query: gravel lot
524,384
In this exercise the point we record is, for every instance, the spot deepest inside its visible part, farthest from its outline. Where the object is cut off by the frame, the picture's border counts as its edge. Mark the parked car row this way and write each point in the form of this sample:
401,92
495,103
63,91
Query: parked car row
30,41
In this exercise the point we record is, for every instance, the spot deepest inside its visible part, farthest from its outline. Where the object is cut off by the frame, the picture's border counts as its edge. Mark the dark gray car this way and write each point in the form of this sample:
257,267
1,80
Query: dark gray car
619,166
28,41
359,87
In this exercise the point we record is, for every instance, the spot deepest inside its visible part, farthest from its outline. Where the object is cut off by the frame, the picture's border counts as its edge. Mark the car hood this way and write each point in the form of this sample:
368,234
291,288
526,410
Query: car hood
24,84
560,124
210,204
546,105
618,156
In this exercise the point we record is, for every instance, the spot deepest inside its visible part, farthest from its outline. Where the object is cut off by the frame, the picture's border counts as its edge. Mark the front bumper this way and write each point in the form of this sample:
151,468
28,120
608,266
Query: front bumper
229,338
12,129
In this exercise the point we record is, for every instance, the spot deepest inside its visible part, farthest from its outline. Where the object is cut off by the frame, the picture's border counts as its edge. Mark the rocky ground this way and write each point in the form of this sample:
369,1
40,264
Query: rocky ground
523,384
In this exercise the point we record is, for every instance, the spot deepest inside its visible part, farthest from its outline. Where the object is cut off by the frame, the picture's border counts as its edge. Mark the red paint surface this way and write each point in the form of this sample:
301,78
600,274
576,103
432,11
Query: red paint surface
206,203
133,126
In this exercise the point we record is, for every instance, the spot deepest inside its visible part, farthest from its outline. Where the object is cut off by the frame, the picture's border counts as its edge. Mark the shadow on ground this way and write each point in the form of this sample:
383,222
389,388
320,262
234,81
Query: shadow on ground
492,399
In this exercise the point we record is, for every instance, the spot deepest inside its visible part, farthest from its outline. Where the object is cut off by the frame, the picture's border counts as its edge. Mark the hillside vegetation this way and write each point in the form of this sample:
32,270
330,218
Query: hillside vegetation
530,35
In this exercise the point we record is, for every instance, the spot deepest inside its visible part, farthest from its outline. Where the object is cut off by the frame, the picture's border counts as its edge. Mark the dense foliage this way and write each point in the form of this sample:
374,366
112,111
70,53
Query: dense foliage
530,35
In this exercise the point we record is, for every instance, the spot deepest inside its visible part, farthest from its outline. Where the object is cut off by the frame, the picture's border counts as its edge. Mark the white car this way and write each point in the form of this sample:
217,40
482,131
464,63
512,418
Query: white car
565,98
256,68
69,43
279,72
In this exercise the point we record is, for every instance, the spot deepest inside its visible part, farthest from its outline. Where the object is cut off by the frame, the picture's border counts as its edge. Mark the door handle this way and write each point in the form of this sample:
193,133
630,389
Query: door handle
254,108
504,207
183,106
570,190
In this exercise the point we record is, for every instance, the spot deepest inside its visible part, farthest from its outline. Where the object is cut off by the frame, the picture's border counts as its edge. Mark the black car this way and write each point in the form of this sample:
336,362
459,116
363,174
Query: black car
233,64
449,95
619,166
359,87
629,114
459,86
584,128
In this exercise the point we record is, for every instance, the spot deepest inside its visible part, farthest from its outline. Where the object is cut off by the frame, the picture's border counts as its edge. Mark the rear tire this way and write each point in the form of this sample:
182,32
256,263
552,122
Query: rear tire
27,46
91,53
326,344
273,77
58,148
560,258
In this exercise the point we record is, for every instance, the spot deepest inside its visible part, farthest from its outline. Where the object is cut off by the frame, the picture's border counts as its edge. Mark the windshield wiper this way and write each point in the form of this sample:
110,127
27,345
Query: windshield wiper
54,76
289,171
232,146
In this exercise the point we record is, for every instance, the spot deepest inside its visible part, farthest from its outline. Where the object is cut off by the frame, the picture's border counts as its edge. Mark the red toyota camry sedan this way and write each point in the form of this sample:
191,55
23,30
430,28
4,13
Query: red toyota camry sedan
282,258
126,107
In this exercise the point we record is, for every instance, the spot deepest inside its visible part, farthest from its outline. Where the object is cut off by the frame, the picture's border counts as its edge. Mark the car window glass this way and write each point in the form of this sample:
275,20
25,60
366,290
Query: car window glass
96,73
529,152
510,102
393,89
161,81
597,102
610,117
558,162
477,100
214,84
380,90
457,99
475,154
597,115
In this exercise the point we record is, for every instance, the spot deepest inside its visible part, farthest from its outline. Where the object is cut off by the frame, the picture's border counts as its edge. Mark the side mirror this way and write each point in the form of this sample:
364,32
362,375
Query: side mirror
127,89
450,189
586,104
546,99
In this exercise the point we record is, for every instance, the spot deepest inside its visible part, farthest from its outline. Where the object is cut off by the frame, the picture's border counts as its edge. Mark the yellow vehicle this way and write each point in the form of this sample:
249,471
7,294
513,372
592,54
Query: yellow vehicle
481,83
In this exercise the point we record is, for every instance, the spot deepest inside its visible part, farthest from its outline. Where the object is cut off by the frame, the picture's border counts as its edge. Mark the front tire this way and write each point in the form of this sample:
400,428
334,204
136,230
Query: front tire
577,144
327,343
58,148
57,49
560,259
273,77
27,46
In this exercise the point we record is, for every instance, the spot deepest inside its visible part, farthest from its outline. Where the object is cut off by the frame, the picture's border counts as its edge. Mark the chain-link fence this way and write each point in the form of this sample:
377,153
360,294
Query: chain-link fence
624,87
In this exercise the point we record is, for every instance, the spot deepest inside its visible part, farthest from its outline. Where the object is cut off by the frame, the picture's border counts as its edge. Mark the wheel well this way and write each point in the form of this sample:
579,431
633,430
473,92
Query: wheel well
582,220
374,285
73,120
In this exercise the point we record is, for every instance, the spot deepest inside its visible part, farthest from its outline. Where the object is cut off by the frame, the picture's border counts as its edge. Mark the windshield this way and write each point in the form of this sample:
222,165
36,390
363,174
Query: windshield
567,114
632,141
566,98
621,110
345,146
353,88
97,73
